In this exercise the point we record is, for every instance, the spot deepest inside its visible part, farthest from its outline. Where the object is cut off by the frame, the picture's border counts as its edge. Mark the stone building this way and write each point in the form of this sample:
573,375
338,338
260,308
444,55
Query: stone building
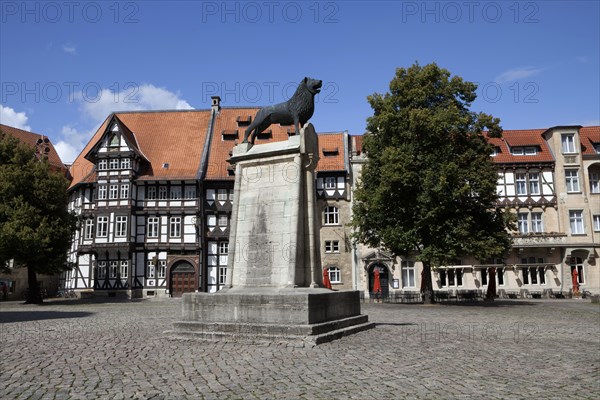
549,178
16,281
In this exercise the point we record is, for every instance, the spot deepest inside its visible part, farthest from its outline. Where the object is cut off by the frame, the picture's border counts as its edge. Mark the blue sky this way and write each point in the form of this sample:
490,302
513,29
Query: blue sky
64,66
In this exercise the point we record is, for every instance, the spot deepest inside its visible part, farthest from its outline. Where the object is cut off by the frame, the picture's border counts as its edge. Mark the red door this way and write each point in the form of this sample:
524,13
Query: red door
183,279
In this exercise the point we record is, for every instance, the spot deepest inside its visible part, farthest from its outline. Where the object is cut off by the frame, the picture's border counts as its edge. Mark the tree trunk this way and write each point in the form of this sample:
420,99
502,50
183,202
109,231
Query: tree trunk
427,284
35,296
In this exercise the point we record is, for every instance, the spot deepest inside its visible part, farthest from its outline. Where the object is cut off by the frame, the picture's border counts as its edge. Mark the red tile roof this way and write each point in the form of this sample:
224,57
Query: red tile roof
589,136
356,142
173,137
518,138
31,139
332,155
220,149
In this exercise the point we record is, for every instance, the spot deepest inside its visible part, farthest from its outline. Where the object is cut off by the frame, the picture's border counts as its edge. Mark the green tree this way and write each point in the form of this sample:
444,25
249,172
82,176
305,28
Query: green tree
35,226
429,184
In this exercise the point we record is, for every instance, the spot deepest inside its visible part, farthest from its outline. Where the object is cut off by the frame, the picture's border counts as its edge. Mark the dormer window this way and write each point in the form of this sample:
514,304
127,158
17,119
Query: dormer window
244,120
495,151
265,135
524,151
597,148
328,152
229,134
114,141
568,143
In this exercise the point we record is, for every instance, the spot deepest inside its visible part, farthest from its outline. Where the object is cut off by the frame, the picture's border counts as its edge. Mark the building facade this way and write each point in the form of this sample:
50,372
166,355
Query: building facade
548,178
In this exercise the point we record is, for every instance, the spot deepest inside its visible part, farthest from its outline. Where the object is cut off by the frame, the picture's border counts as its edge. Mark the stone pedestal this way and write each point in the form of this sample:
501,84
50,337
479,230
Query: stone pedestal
273,276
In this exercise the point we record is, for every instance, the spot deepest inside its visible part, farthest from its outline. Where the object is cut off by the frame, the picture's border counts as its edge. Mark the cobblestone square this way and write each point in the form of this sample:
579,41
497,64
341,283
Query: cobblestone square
535,349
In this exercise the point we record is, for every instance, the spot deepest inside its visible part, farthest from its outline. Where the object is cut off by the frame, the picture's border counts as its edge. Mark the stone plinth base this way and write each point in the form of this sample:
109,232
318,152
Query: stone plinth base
300,316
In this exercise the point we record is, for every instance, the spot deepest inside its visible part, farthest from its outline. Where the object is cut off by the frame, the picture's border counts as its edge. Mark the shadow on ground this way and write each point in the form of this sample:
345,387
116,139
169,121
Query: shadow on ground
26,316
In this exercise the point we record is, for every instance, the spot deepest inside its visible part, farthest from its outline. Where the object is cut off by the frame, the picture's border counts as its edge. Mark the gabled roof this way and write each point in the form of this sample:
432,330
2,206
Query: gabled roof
332,152
125,132
519,138
356,141
31,139
589,136
173,137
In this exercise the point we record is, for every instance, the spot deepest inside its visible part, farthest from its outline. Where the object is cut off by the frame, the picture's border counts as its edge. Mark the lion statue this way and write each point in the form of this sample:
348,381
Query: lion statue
297,110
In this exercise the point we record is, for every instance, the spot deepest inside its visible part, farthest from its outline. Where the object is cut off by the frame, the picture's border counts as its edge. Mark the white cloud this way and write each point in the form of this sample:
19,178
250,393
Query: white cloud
517,73
10,117
144,97
69,48
71,144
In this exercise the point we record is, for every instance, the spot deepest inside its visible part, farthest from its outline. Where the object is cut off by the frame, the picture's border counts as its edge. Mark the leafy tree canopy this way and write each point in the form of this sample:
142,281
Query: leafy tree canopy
35,225
429,184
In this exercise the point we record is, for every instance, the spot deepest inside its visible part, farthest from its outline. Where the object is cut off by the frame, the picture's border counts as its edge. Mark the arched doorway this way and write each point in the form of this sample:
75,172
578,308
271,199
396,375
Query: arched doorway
183,278
383,279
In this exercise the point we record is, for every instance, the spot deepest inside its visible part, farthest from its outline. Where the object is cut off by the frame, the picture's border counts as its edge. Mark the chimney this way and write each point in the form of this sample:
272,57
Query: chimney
216,103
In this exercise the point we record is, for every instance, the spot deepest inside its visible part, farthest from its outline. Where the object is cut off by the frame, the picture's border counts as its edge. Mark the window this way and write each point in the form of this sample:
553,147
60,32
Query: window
451,277
523,223
89,229
223,248
121,226
101,269
521,181
113,268
332,246
330,182
162,192
577,264
113,192
534,276
530,151
527,151
572,180
594,182
596,219
175,192
534,183
516,151
153,227
125,191
223,220
211,220
536,222
495,151
114,141
151,193
124,269
408,274
175,227
102,227
162,268
576,220
568,143
125,163
190,192
113,163
222,195
102,192
150,269
332,216
335,275
103,165
500,276
222,274
231,192
484,277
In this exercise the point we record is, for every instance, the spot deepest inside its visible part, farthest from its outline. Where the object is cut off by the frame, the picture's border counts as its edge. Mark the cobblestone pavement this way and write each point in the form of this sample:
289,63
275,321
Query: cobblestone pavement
539,349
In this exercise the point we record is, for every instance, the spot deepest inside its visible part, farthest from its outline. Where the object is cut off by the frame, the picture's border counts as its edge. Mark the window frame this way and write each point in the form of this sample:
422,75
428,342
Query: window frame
567,146
153,226
335,274
102,226
576,221
572,181
408,267
175,227
121,226
331,215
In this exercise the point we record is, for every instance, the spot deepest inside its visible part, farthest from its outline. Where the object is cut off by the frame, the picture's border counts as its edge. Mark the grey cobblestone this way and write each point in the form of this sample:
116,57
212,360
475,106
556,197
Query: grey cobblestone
538,349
